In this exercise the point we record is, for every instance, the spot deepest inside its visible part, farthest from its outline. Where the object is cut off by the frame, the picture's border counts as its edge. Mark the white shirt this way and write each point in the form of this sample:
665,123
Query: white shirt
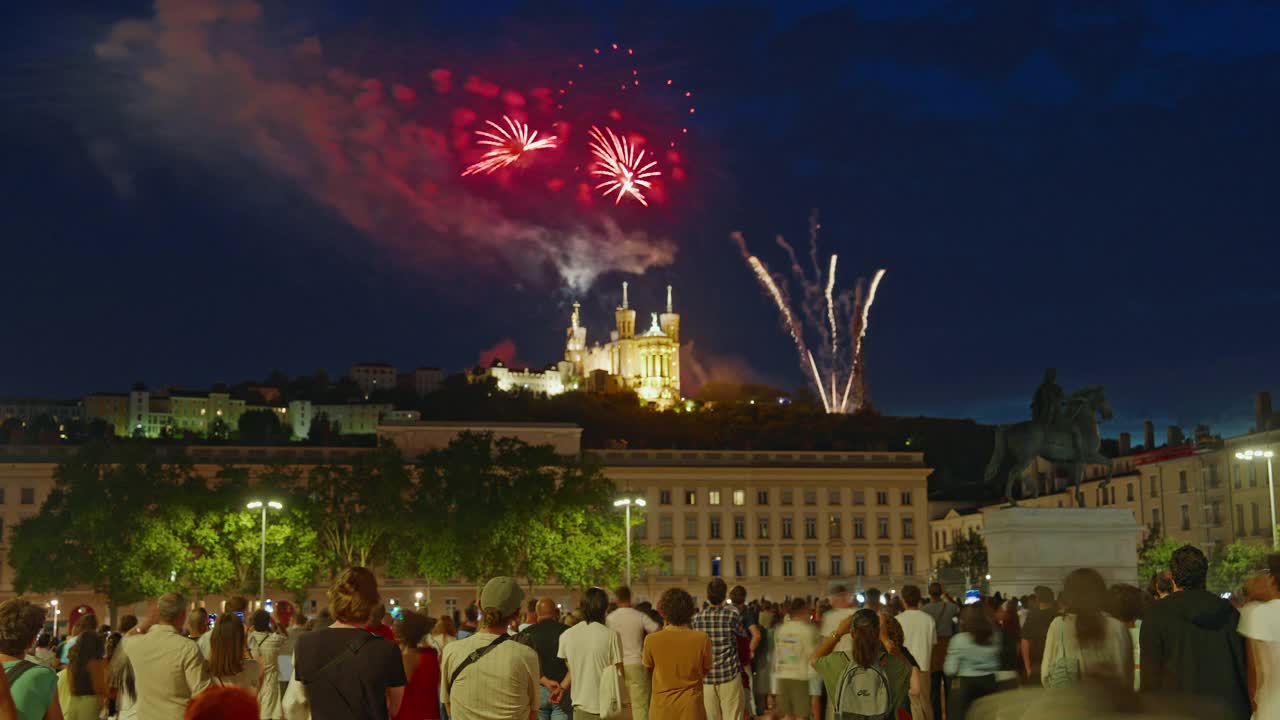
1261,622
589,648
918,634
831,619
631,626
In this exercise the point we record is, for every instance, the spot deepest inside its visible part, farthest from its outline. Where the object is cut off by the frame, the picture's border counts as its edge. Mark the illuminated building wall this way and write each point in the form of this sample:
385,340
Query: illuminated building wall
648,363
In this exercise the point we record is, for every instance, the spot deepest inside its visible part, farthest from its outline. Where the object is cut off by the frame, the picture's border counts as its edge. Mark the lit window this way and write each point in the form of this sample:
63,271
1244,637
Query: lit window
713,497
739,497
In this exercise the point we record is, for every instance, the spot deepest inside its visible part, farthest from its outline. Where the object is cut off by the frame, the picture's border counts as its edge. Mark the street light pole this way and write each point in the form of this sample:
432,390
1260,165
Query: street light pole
1250,455
262,566
626,504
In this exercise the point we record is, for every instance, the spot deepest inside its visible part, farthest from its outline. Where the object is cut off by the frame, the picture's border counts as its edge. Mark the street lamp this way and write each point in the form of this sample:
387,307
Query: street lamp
417,600
1248,455
627,502
54,604
262,567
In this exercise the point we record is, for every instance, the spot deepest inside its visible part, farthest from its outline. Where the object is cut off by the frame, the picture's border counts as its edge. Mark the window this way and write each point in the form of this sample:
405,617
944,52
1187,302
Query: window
664,527
860,565
837,566
810,527
1,496
1155,517
1253,510
1253,475
1128,495
764,566
27,496
1209,476
690,497
833,497
762,497
739,565
882,531
762,527
908,527
1182,481
640,531
859,497
1239,521
1155,486
713,497
1113,494
739,527
690,526
1235,476
665,570
664,497
788,568
833,527
885,569
1215,513
787,533
1186,518
714,532
906,497
811,566
859,527
810,497
908,564
882,497
786,497
691,565
739,497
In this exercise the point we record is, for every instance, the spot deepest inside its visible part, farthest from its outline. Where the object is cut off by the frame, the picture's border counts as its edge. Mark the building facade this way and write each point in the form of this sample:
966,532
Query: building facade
647,363
351,418
373,376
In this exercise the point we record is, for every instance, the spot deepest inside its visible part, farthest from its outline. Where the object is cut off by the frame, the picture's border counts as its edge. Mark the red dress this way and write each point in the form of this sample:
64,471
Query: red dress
422,694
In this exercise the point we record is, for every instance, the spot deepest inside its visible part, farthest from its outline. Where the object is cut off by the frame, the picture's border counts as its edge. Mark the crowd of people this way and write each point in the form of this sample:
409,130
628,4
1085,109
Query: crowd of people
1087,650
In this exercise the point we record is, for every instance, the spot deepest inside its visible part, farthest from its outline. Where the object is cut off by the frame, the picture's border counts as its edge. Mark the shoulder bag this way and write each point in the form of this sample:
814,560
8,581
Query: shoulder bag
1065,670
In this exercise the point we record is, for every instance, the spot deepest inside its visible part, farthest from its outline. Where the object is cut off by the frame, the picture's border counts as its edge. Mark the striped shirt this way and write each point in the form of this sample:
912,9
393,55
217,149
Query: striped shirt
723,625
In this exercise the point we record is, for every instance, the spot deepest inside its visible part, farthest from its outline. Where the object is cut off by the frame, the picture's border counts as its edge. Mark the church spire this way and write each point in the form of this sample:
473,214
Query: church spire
624,295
576,305
668,298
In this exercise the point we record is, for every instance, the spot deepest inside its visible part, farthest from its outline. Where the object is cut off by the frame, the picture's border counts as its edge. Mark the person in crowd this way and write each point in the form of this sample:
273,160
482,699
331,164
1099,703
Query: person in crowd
83,682
1189,640
748,646
890,673
229,662
33,685
297,627
944,613
632,626
282,614
128,623
42,653
530,615
421,667
593,653
895,606
197,627
794,643
893,638
1260,626
470,622
378,626
1126,605
120,678
871,600
1034,632
86,623
544,637
322,620
973,657
762,663
723,694
839,606
1084,637
502,683
1005,617
443,633
680,659
223,703
266,646
919,631
348,672
168,668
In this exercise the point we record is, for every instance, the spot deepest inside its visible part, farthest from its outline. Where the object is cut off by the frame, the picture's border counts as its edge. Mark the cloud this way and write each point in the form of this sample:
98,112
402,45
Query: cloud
504,350
110,161
699,367
206,85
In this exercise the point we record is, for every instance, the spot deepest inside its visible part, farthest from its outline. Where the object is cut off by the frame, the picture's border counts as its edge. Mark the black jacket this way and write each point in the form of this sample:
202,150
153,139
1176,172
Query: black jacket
1189,645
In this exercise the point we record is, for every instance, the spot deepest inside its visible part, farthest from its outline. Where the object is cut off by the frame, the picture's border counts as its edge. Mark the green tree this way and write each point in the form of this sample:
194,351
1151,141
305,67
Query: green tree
358,509
262,427
1237,561
1153,556
969,554
219,429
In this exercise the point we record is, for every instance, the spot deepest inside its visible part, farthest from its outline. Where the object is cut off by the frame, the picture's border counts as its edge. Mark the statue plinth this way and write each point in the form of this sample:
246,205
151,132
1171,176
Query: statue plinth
1027,547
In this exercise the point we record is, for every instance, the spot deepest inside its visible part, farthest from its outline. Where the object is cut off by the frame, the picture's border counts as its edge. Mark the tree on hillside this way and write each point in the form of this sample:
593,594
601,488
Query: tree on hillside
262,427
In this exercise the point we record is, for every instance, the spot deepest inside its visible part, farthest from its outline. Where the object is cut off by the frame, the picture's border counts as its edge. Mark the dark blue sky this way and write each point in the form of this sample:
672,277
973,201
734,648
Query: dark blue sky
1089,185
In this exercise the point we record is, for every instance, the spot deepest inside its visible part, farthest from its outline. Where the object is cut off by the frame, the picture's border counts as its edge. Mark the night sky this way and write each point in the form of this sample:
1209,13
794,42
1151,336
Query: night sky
221,191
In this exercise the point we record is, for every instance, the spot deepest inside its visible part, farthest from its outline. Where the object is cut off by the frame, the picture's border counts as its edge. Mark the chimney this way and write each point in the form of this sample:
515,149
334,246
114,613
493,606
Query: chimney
1173,436
1261,411
1125,443
1148,435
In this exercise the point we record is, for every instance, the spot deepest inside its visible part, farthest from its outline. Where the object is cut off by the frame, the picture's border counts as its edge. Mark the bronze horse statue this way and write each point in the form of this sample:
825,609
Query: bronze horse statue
1074,441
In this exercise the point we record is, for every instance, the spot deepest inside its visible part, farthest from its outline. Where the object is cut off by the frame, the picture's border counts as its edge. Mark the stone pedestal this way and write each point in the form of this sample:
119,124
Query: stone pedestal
1027,547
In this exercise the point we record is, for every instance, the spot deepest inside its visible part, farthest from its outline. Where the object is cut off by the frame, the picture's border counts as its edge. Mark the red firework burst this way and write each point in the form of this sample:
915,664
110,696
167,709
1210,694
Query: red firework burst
622,164
507,145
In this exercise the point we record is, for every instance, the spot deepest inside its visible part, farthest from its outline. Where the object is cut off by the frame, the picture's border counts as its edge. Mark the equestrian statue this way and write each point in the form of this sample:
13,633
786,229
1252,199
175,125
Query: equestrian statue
1063,430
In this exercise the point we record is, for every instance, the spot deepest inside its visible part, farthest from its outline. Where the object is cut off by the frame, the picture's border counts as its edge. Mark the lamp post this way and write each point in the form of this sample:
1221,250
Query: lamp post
1250,455
54,604
262,566
626,503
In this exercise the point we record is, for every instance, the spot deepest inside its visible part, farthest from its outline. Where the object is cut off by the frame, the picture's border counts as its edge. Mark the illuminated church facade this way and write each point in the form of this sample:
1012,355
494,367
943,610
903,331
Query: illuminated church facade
647,362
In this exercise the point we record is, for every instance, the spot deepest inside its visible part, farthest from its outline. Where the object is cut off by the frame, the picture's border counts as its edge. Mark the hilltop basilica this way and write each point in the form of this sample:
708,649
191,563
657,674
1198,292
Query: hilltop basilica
647,363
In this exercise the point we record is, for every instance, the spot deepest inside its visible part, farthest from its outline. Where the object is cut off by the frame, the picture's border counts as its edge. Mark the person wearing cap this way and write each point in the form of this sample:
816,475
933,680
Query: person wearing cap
502,682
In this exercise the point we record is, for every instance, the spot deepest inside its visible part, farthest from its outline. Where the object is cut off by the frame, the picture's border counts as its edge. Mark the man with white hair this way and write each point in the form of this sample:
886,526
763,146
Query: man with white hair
168,668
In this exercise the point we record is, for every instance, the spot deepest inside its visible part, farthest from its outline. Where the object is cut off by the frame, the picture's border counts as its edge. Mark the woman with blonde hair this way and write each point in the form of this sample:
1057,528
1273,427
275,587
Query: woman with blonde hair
348,672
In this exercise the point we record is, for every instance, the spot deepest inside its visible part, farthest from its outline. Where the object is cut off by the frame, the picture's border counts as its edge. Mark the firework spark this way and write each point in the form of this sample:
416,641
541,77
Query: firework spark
823,308
622,165
507,145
